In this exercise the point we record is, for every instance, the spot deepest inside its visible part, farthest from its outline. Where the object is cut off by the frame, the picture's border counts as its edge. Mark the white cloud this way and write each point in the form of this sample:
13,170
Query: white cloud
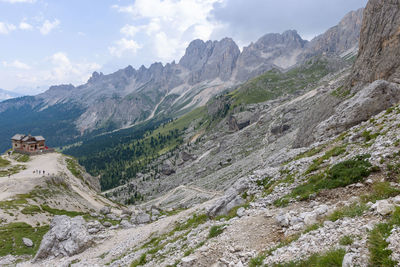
6,28
55,69
130,30
16,64
19,1
25,26
65,71
124,46
169,24
48,26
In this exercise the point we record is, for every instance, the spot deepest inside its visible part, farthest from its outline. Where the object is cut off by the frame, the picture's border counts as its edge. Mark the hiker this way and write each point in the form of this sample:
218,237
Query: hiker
43,172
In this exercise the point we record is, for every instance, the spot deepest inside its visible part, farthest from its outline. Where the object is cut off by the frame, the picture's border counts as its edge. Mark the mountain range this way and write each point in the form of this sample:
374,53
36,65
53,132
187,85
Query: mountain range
129,96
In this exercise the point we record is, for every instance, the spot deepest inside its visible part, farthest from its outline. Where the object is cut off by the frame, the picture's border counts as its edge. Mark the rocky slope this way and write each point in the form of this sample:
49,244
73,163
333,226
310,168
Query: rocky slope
129,96
310,177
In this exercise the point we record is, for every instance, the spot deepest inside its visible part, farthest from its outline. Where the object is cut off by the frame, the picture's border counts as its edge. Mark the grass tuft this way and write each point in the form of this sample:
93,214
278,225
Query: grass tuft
216,230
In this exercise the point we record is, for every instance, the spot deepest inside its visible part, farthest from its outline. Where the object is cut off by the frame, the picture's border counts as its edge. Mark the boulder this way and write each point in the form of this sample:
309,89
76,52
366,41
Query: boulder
185,156
125,224
27,242
112,216
383,207
231,199
142,218
283,219
348,260
310,218
94,227
155,212
167,168
396,200
105,210
126,212
241,212
66,237
188,261
107,224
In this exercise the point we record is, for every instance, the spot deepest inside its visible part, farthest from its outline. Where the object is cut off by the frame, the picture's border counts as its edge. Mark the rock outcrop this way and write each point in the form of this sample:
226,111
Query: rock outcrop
231,199
371,100
66,237
379,49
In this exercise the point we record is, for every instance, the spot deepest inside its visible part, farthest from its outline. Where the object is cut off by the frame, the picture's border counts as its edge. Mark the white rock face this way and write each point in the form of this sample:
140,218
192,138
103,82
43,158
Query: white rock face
66,237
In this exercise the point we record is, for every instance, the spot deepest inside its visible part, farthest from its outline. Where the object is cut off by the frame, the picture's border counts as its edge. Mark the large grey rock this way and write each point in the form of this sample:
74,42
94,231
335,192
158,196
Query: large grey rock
105,210
283,219
142,218
94,227
66,237
310,218
371,100
167,168
348,260
241,212
125,224
27,242
126,212
383,207
232,198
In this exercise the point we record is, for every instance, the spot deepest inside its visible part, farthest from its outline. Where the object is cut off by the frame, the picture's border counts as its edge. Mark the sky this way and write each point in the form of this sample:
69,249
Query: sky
50,42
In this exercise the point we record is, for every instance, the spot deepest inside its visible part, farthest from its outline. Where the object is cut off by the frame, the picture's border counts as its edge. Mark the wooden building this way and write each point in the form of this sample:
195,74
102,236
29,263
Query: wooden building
28,143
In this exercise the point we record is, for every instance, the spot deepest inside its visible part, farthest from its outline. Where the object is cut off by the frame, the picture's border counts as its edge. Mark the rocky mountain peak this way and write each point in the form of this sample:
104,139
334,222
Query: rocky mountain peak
288,38
379,43
211,59
340,38
95,77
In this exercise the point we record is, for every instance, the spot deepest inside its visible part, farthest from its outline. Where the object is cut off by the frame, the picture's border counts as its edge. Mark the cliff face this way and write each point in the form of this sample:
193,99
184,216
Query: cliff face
340,38
379,49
